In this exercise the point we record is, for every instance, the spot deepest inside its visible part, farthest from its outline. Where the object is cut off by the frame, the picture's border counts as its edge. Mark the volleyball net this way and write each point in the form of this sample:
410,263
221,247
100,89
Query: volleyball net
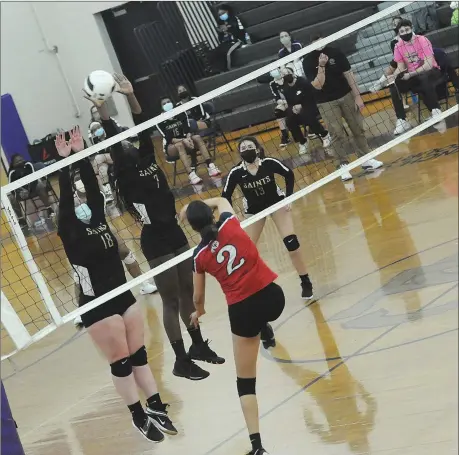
37,280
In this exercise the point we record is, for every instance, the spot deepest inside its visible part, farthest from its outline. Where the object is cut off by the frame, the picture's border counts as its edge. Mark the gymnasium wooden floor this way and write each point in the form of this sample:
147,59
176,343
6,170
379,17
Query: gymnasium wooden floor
370,368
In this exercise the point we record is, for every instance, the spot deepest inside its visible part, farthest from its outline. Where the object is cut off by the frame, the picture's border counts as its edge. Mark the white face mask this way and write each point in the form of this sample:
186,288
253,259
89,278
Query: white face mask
454,5
286,40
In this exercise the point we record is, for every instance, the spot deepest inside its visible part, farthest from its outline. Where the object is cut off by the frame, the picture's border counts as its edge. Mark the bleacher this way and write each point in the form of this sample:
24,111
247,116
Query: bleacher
368,50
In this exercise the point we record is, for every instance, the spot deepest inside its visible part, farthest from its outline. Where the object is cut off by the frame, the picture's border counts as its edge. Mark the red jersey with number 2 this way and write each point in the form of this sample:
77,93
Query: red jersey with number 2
233,259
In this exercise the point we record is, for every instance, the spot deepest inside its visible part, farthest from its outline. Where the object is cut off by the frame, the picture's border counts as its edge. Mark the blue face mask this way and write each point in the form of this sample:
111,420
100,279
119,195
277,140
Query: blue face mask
99,132
168,107
83,213
224,17
275,74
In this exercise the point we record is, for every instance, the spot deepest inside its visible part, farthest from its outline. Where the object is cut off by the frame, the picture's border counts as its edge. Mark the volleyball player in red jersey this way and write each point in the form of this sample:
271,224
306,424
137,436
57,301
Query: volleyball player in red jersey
227,253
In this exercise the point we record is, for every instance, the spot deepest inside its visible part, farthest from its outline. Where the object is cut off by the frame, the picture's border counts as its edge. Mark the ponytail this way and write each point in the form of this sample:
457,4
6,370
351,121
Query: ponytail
209,233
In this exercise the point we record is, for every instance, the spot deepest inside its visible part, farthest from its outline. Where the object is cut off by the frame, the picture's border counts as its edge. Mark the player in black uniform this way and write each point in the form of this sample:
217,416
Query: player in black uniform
179,140
116,327
198,116
255,176
142,187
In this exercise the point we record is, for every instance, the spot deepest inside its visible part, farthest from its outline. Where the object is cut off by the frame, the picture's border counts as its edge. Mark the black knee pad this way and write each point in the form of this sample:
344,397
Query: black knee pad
246,386
122,368
291,243
139,358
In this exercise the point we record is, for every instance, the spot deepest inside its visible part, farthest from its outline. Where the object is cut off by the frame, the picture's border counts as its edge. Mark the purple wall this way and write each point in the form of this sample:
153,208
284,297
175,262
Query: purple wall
14,137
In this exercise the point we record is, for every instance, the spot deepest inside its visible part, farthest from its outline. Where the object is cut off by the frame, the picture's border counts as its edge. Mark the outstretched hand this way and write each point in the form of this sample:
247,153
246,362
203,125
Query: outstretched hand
62,146
125,87
76,139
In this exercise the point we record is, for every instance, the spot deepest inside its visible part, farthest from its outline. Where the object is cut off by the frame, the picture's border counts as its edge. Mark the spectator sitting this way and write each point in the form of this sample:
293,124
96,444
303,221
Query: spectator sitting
289,46
417,71
231,34
19,168
198,116
180,142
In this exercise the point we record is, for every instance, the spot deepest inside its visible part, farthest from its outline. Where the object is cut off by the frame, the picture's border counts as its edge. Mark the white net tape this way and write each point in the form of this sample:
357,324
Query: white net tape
52,316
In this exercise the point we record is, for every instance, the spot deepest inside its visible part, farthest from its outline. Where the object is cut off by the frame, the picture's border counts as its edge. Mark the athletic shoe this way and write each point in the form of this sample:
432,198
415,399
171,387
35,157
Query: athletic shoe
378,85
149,431
401,126
371,165
160,419
303,150
108,192
307,293
267,337
213,170
258,452
78,323
345,176
148,288
441,125
203,353
194,179
285,140
326,141
186,368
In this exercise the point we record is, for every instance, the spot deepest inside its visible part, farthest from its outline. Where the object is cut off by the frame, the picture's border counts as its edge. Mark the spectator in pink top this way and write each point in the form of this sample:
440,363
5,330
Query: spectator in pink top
417,71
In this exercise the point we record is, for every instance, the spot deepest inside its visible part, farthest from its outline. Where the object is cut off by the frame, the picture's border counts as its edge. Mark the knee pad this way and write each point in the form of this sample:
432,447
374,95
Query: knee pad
139,358
121,368
246,386
129,259
291,243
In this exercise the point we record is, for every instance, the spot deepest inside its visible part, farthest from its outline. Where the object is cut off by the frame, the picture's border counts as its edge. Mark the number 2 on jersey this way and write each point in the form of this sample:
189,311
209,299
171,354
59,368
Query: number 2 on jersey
231,256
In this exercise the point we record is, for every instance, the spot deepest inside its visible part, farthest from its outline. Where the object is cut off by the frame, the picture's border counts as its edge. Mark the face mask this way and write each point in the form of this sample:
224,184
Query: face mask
99,132
249,156
286,40
183,95
224,17
83,213
168,107
288,78
275,74
407,36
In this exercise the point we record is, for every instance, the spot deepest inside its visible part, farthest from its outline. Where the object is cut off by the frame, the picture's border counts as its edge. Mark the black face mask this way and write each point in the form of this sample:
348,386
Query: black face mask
288,78
407,36
183,95
249,156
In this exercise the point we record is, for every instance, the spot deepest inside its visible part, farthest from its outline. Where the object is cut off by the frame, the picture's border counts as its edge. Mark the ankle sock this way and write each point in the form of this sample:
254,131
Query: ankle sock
179,349
255,439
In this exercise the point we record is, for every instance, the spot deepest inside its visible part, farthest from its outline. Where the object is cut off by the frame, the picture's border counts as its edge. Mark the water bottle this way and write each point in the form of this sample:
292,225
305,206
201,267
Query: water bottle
247,39
414,98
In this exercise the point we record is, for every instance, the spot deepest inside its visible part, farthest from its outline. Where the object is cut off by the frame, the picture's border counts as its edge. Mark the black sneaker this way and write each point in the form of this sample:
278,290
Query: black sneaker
267,337
49,212
149,431
258,452
203,353
285,140
307,292
160,419
186,368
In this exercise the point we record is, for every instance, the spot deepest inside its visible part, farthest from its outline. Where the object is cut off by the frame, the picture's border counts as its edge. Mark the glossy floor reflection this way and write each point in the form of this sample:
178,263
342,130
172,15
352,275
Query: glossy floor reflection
370,368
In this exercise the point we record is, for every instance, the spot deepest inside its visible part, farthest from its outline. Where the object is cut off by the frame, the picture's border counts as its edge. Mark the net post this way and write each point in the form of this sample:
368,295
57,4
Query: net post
13,325
31,264
11,444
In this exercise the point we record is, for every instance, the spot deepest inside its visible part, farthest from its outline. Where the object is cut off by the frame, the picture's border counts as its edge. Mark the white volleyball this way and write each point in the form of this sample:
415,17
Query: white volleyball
99,85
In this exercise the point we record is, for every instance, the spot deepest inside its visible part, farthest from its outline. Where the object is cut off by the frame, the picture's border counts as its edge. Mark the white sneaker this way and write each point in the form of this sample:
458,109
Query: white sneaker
78,323
345,176
371,165
441,125
213,170
326,141
379,85
401,126
194,179
108,192
303,150
148,288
